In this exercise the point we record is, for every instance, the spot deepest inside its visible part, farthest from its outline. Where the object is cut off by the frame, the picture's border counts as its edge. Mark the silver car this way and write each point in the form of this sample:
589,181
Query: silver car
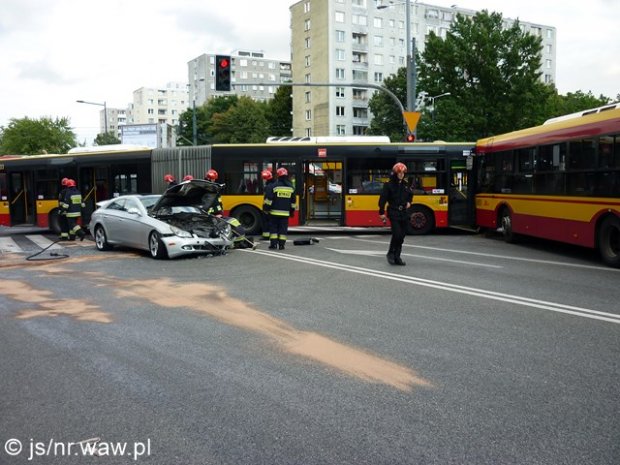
168,225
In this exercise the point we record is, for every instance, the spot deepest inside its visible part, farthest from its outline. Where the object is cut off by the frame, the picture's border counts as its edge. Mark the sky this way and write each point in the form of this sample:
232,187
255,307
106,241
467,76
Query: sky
55,52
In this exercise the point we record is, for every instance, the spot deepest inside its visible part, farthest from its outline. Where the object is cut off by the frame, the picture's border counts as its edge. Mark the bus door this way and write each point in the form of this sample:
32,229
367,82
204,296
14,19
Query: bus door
460,194
322,197
21,198
88,189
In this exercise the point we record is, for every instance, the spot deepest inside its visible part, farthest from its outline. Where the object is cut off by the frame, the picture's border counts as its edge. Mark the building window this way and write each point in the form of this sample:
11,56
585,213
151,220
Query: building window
401,42
340,54
549,33
378,22
243,62
307,78
308,115
339,92
307,60
360,20
361,3
307,25
340,130
307,43
378,41
548,79
308,132
401,25
307,96
401,60
360,113
378,77
393,41
549,49
340,75
340,36
379,60
548,64
392,23
307,7
339,111
339,16
392,60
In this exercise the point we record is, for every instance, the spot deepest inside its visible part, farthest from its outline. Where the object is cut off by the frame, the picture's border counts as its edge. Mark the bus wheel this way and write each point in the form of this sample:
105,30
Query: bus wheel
505,220
54,221
609,241
250,219
421,221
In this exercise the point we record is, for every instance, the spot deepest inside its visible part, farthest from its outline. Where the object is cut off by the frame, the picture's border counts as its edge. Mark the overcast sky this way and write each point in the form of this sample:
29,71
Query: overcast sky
55,52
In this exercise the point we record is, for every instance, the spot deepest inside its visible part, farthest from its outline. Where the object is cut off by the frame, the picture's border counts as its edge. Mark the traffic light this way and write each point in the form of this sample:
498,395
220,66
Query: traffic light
410,137
222,73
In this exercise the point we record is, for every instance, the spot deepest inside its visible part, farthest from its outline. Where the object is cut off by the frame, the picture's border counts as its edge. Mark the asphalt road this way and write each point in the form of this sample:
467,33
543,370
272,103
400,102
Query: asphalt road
476,352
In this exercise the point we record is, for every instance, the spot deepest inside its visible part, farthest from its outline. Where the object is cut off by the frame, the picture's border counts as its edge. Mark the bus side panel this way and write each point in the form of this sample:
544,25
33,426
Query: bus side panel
231,202
44,207
5,217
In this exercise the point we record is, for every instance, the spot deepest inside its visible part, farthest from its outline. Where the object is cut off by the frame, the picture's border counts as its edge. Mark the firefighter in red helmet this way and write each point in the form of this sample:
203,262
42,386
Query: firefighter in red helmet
62,218
211,175
188,177
217,207
72,205
267,177
398,195
169,179
280,203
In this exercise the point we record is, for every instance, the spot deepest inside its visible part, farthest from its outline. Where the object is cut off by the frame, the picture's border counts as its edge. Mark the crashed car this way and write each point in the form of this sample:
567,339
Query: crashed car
167,226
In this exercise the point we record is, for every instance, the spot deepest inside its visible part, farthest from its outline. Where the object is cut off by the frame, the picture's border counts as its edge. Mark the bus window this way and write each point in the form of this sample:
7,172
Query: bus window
47,185
367,175
4,192
582,154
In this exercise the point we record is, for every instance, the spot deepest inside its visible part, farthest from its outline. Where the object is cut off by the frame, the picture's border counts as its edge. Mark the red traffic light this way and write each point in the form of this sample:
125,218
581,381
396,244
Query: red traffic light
223,73
224,63
410,137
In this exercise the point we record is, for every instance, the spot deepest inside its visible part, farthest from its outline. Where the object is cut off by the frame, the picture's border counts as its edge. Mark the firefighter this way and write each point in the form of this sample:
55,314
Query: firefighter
217,208
280,203
188,177
267,176
72,204
169,179
62,218
398,195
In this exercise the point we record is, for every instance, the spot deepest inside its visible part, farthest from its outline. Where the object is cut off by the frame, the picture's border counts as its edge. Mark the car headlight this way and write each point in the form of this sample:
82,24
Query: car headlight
227,229
180,232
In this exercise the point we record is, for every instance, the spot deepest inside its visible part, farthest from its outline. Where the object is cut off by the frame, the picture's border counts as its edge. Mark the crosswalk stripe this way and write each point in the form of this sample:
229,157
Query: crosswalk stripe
8,245
43,241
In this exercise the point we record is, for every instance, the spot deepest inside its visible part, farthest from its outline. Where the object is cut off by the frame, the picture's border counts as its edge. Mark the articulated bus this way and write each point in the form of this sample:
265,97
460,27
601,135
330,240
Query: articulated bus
337,182
558,181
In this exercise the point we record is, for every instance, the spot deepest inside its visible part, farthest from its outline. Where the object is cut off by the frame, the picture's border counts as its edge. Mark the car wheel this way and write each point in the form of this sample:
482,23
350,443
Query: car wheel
421,221
156,246
250,219
609,241
101,240
505,221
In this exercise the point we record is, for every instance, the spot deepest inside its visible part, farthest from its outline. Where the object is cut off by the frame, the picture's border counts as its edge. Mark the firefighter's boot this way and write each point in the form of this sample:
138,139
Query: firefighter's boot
397,259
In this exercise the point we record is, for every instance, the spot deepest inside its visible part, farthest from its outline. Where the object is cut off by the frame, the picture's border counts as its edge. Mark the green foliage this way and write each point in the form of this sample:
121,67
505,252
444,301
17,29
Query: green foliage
27,136
573,102
387,119
279,112
106,139
204,120
244,122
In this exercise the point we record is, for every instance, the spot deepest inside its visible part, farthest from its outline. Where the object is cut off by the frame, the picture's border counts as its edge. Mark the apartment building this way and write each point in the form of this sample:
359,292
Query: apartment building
353,41
252,74
158,105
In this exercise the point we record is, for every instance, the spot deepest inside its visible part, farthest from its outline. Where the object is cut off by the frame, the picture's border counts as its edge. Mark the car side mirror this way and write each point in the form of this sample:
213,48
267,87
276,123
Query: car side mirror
134,211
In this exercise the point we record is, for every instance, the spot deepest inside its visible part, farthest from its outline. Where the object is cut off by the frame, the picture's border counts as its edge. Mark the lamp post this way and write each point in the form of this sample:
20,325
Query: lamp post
432,99
105,111
411,69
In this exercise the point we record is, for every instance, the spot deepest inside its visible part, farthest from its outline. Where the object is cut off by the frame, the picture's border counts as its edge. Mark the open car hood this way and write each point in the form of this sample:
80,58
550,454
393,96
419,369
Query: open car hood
195,193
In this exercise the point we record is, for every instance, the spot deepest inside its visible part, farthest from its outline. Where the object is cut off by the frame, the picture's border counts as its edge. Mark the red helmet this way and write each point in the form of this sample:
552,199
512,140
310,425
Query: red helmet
267,175
64,181
168,178
70,183
282,172
399,168
211,175
188,177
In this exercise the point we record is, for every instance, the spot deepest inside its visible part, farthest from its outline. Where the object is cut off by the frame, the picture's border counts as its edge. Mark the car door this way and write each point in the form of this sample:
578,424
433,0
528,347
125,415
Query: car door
136,225
111,216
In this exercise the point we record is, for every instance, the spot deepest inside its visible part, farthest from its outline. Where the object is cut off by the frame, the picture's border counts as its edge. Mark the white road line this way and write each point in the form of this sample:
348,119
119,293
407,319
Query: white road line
43,242
504,257
8,245
517,300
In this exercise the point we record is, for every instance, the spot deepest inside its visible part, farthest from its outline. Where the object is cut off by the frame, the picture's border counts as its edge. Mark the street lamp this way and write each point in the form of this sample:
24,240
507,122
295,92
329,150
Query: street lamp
411,69
105,111
432,99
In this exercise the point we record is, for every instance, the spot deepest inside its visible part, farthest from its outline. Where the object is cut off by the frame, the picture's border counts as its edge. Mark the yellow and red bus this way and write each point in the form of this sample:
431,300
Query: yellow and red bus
337,180
558,181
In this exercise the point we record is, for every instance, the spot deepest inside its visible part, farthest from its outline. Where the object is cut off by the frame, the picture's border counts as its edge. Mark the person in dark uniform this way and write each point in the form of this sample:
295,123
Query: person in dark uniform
217,207
280,203
398,196
62,214
267,176
169,179
72,205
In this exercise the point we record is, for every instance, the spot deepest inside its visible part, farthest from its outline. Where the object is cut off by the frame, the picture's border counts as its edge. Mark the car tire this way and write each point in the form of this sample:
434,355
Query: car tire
250,219
421,221
156,246
101,239
609,241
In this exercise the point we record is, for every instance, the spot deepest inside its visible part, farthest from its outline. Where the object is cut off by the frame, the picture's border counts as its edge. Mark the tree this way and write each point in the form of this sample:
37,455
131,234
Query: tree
204,116
573,102
106,139
244,122
31,136
279,112
387,119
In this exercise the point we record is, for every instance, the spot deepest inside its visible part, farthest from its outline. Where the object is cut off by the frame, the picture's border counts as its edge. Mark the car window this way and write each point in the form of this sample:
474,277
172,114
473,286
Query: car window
148,202
131,203
117,205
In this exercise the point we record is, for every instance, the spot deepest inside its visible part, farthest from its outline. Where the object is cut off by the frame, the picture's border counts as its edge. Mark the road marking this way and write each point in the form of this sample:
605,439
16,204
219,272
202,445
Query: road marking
376,253
504,257
43,242
492,295
8,245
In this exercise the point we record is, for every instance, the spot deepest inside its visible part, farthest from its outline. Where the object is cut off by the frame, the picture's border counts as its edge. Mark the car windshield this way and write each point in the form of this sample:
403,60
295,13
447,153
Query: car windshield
149,201
179,209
